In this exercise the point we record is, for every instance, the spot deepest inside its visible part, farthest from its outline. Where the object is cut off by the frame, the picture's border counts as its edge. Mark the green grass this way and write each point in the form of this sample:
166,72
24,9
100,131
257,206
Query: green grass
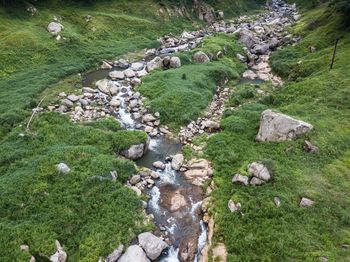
180,95
320,97
88,215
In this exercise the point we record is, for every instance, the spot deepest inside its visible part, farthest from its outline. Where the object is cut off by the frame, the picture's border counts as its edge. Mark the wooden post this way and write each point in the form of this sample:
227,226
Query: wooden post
334,52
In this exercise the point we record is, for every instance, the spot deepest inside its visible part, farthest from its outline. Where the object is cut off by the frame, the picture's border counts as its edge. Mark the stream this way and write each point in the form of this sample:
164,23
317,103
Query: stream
182,227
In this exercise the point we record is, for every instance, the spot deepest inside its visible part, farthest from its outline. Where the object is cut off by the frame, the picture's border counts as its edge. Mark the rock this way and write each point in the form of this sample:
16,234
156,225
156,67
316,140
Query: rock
136,190
188,248
175,62
241,58
154,175
239,179
220,253
122,63
177,161
103,86
73,98
174,200
273,43
312,49
249,74
280,127
55,28
116,75
310,148
135,179
106,65
63,168
135,81
136,151
211,126
67,102
83,102
246,37
115,102
134,253
198,164
159,165
305,202
256,181
24,248
148,118
152,245
201,57
129,73
141,73
62,94
259,171
60,255
234,206
187,35
115,255
260,49
166,61
154,64
277,201
137,66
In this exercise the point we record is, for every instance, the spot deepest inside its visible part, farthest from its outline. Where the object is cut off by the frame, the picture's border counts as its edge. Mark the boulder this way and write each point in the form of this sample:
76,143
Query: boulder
159,165
173,200
63,168
154,64
122,63
141,73
115,102
260,171
198,164
239,179
60,255
137,66
177,161
115,255
201,57
211,126
175,62
279,127
73,98
246,37
152,245
249,74
116,75
273,43
134,253
309,147
55,28
234,207
186,35
103,86
305,202
129,73
136,151
135,179
256,181
260,49
148,118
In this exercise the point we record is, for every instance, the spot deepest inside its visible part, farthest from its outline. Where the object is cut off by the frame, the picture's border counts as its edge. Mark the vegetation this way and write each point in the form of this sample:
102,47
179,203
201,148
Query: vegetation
181,94
263,232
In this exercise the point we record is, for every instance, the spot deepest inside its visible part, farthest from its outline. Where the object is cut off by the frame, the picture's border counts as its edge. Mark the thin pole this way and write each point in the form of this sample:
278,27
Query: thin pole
334,52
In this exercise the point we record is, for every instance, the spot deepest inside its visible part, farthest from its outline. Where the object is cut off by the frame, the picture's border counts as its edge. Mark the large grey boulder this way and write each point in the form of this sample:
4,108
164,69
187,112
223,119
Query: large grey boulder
239,179
152,245
154,64
116,75
138,66
246,37
260,49
259,170
175,62
115,255
55,28
201,57
103,86
134,253
136,151
177,161
279,127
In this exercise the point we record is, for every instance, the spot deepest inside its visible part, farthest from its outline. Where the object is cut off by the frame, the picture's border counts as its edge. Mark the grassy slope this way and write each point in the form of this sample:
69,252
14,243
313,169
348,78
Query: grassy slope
318,96
180,95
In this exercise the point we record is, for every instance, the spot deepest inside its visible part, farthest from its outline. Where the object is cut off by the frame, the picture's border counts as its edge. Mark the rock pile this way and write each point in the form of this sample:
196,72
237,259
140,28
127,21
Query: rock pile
259,174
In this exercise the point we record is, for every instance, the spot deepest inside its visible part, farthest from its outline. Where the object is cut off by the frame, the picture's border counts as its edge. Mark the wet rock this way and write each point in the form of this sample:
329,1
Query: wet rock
103,86
259,170
239,179
135,152
256,181
137,66
152,245
177,161
171,198
201,57
115,255
116,75
154,175
63,168
159,165
188,249
280,127
154,64
309,147
115,102
234,207
60,255
306,202
134,253
55,28
175,62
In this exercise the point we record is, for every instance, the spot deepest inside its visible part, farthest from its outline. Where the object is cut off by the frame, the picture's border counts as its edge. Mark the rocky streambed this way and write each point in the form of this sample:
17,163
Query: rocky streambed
174,186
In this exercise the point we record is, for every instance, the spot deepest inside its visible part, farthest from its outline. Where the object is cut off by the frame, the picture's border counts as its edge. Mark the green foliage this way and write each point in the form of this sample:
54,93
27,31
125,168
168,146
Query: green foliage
85,210
264,232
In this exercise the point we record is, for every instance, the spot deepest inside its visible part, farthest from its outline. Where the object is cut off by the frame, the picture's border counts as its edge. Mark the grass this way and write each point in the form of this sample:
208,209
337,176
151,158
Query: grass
180,95
318,96
85,210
